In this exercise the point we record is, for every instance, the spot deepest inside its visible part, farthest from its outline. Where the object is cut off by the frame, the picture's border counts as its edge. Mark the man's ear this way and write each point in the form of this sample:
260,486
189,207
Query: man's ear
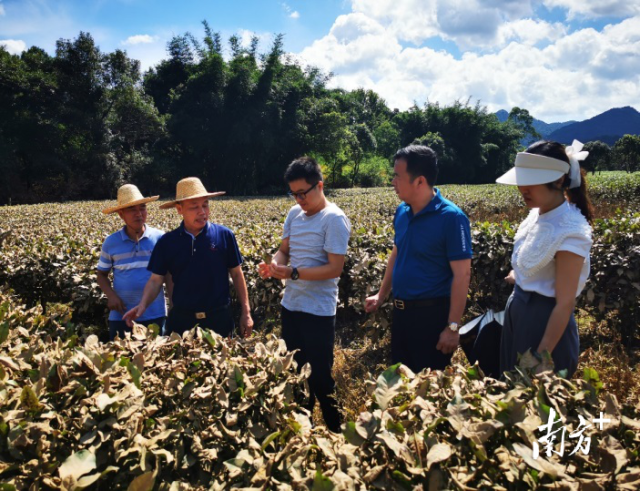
320,185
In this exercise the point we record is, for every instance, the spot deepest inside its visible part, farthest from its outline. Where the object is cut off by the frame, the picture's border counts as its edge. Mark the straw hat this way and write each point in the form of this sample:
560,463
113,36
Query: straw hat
190,188
531,169
129,195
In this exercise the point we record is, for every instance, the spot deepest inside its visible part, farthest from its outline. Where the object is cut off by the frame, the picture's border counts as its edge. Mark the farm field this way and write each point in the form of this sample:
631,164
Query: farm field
205,412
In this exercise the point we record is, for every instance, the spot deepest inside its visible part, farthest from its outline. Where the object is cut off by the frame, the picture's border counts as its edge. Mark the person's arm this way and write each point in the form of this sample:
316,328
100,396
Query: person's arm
114,302
168,282
333,269
568,267
461,269
372,303
151,290
511,277
240,285
281,257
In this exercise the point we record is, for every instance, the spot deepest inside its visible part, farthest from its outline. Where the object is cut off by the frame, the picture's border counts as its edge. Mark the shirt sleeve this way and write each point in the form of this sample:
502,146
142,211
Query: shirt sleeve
234,258
576,244
158,263
287,225
336,239
395,217
458,237
105,262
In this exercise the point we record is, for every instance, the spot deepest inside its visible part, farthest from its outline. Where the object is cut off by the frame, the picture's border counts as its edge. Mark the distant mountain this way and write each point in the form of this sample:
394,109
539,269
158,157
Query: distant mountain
545,129
502,115
607,127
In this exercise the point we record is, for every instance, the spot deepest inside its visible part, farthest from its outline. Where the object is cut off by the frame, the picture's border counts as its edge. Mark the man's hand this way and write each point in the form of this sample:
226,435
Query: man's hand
114,302
264,270
448,341
133,314
510,278
280,272
246,325
373,303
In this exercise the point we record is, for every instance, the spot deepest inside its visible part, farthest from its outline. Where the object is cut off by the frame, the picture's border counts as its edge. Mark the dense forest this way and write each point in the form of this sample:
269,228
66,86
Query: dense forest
78,124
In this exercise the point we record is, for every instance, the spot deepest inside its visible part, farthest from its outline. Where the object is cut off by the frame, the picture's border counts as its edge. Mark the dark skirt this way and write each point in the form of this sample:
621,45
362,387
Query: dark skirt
525,321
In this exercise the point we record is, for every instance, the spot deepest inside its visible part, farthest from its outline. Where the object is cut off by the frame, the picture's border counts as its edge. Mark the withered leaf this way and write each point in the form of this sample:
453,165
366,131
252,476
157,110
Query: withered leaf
77,465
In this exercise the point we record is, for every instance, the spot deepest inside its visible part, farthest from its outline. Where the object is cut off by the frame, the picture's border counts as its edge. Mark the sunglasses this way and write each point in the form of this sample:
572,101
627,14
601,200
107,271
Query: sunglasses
302,195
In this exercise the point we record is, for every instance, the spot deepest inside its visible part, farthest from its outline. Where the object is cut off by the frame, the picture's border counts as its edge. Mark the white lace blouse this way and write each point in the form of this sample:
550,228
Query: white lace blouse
538,239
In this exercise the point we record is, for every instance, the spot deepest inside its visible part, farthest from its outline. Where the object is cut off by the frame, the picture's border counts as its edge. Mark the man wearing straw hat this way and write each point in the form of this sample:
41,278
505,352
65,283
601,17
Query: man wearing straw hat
200,256
126,253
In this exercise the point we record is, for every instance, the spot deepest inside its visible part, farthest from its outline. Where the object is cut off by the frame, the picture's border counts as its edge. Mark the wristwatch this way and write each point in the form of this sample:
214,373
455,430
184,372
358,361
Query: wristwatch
453,326
294,274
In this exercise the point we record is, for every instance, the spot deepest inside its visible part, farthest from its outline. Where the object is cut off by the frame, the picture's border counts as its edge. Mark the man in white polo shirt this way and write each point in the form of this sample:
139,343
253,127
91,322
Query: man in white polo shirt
126,253
314,243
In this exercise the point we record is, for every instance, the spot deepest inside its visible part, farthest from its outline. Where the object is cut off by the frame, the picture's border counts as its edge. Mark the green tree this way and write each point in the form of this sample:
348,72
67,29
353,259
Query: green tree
626,153
362,143
329,136
30,133
524,121
387,138
477,145
169,75
599,158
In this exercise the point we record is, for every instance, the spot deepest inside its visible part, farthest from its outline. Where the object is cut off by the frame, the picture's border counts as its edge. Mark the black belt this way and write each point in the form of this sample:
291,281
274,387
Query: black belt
199,315
426,302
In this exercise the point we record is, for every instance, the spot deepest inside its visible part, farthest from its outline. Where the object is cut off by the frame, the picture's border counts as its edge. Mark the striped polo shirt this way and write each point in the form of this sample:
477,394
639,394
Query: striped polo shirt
129,259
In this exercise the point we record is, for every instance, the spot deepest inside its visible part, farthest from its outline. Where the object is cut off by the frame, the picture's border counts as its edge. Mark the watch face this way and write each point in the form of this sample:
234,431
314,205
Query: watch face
294,274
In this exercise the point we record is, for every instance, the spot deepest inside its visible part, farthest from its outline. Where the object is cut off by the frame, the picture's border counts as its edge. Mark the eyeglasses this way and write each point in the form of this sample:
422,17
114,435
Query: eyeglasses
303,194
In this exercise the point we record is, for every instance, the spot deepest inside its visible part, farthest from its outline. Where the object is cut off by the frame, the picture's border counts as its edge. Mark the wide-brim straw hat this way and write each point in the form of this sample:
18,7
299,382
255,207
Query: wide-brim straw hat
190,188
129,195
531,169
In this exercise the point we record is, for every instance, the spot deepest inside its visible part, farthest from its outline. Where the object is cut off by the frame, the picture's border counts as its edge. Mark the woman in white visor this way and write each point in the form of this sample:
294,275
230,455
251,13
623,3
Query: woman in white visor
550,258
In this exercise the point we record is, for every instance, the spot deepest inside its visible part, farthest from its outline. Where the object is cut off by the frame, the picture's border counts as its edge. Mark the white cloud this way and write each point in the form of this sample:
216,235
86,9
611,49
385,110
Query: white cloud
468,23
526,62
149,55
2,11
596,8
408,20
13,46
139,39
530,32
293,14
246,36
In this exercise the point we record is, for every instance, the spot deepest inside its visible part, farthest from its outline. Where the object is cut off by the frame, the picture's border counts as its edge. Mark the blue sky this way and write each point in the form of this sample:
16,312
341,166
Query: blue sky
561,59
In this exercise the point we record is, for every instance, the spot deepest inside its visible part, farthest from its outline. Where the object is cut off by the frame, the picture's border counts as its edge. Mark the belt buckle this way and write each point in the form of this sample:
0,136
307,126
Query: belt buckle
399,304
201,315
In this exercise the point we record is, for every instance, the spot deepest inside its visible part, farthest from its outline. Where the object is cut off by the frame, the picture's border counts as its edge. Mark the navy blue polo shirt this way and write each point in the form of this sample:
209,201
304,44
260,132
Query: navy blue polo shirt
198,265
426,242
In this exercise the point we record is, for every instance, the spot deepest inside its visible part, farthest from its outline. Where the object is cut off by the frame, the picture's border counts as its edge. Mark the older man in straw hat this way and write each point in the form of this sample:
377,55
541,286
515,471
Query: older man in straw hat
126,253
200,256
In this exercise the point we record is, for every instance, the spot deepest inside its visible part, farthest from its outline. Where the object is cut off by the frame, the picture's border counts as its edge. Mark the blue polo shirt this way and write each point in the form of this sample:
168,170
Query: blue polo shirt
198,265
426,242
129,259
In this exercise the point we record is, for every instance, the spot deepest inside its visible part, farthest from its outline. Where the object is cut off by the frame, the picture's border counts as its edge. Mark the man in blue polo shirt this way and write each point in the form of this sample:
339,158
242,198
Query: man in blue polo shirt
200,256
429,267
126,253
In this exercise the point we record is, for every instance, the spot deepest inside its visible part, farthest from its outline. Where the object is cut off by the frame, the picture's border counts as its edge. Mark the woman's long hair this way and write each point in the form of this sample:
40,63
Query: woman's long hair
578,196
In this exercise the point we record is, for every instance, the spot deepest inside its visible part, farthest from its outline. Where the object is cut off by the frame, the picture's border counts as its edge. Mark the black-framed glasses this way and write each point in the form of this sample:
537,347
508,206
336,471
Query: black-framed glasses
303,194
